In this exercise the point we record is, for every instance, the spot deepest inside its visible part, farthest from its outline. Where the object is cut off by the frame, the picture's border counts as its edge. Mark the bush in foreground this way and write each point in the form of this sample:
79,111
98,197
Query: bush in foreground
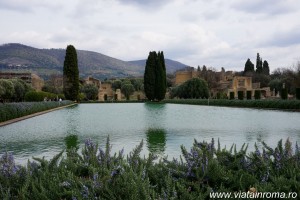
98,174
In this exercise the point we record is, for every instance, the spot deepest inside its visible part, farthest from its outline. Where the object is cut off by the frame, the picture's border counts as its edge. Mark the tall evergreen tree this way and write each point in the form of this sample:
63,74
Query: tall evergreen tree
258,64
265,68
198,69
149,76
155,82
161,77
71,74
249,66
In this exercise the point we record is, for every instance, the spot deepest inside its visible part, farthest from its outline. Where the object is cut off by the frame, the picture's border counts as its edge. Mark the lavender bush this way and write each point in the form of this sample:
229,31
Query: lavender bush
14,110
96,173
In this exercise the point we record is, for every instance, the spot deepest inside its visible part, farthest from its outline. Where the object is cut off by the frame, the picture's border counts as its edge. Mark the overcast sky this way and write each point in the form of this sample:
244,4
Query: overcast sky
216,33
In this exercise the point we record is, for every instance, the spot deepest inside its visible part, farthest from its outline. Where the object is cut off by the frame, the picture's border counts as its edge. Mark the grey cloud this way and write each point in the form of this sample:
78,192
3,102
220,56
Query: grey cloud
146,3
284,39
28,6
271,7
13,6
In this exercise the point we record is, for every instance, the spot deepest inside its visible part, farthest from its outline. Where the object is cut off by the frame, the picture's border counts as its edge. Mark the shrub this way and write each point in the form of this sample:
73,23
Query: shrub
97,173
222,95
240,95
41,96
14,110
284,93
231,95
265,103
257,94
194,88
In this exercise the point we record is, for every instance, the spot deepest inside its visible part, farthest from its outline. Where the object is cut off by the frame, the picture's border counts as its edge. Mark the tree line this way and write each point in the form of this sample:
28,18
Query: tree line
280,78
13,90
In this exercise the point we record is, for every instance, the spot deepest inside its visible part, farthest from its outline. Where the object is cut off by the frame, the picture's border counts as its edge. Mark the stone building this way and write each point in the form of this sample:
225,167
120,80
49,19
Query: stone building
187,74
94,81
226,82
105,91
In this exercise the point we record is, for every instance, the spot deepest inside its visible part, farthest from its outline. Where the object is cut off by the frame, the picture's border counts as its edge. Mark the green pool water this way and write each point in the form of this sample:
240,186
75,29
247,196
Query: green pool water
162,127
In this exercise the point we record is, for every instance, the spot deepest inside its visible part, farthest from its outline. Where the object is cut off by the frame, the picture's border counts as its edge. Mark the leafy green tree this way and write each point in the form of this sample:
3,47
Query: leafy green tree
249,66
137,83
117,84
258,64
194,88
19,89
262,79
7,89
71,74
265,68
275,84
2,91
127,89
53,84
90,91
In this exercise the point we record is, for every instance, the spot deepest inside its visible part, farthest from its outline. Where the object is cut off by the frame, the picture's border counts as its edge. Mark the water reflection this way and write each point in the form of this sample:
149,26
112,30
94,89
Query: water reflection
156,141
72,121
71,141
155,115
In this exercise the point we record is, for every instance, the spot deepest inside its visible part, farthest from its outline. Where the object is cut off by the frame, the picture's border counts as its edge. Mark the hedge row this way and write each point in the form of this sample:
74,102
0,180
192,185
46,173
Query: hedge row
263,103
14,110
41,96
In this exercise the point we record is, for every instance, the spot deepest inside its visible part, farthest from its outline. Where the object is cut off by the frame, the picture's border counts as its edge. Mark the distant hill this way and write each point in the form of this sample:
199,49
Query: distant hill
171,65
44,62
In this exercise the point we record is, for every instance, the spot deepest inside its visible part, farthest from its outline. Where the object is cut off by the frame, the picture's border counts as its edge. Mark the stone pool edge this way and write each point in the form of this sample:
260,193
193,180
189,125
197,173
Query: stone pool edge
11,121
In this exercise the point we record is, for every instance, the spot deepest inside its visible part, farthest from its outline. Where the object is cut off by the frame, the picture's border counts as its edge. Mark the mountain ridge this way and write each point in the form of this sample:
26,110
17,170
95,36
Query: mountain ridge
44,62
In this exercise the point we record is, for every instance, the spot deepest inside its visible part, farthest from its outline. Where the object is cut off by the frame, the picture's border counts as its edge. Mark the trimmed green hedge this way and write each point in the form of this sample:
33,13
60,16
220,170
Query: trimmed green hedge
41,96
262,103
14,110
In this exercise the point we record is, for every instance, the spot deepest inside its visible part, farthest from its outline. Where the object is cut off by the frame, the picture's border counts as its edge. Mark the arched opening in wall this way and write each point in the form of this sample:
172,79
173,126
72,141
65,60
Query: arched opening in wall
105,97
138,97
264,93
116,97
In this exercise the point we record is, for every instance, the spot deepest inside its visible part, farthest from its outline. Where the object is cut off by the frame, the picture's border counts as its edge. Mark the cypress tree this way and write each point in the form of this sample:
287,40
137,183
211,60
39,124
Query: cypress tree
149,76
161,77
258,64
71,74
249,66
265,68
155,82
